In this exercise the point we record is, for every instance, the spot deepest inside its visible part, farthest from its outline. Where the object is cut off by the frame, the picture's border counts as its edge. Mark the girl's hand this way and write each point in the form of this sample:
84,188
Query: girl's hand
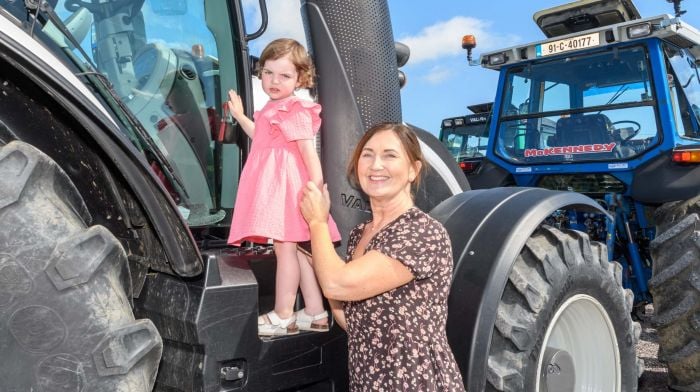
235,105
315,205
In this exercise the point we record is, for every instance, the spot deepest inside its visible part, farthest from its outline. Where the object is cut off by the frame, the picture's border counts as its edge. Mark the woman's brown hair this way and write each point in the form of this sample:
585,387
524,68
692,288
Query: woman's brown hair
279,48
409,142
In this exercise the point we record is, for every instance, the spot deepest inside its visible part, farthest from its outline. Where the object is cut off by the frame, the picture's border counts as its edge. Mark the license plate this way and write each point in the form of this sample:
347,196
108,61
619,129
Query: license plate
565,45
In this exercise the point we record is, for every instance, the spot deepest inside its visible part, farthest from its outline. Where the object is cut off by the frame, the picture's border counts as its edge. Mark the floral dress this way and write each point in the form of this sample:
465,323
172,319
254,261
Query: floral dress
269,191
397,340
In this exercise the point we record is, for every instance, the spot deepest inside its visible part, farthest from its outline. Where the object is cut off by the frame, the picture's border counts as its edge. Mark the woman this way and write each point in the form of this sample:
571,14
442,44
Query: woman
391,294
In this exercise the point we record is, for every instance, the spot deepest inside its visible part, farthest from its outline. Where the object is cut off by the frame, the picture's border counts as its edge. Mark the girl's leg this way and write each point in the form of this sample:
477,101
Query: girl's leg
287,278
313,299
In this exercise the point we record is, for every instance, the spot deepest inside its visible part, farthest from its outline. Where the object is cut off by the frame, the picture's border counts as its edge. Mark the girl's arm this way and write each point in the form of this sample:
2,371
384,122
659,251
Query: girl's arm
235,106
307,147
367,276
338,313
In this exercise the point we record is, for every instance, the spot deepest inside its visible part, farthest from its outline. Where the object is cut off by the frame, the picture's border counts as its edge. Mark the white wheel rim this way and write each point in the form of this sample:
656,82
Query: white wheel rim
582,328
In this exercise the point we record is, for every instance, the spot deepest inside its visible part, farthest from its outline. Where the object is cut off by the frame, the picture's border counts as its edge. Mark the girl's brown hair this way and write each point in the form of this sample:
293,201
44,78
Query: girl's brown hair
279,48
409,142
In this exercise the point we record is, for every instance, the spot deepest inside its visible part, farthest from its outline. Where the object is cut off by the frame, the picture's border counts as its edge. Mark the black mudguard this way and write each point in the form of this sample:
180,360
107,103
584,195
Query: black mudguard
488,229
442,178
34,95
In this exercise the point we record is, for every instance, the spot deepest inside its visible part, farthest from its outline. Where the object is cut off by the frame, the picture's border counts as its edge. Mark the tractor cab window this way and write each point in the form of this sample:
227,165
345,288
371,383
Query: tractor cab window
466,141
684,88
591,107
171,71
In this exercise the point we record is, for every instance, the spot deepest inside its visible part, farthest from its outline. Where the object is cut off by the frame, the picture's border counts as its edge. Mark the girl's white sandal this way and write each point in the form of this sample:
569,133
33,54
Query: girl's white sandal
306,322
270,324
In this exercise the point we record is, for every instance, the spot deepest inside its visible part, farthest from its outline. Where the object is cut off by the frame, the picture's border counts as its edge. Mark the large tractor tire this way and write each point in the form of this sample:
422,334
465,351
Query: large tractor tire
563,322
675,285
66,322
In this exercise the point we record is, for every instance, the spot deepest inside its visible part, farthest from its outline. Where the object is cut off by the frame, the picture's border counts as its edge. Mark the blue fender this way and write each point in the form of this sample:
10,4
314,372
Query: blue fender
488,229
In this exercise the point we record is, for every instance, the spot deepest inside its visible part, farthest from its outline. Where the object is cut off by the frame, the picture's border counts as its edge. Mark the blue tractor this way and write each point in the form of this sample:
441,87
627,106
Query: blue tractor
607,106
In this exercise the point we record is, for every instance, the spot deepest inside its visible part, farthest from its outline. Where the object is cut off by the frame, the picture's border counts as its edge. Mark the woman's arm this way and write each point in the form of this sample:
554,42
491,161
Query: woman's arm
338,313
362,278
307,148
235,106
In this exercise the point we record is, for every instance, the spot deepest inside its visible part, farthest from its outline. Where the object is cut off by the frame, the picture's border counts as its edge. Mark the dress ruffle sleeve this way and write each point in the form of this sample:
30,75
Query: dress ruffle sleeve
297,119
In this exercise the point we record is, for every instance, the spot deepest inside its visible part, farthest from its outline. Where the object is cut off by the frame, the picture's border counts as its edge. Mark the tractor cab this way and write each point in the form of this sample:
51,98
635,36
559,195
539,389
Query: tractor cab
606,92
165,74
466,137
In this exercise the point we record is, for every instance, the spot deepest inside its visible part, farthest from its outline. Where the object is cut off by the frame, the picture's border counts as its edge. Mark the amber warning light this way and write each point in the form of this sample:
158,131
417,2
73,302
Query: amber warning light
469,43
686,155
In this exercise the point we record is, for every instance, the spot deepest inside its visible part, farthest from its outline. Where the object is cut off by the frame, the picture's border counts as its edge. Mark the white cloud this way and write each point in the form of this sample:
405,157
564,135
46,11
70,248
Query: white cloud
445,39
437,74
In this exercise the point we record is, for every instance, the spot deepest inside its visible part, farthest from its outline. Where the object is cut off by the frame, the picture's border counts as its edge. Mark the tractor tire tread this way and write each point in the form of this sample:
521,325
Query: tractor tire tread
68,320
675,286
529,287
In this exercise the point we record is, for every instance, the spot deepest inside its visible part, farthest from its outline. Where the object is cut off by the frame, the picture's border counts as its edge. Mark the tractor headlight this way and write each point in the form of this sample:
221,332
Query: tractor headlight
639,30
497,59
447,123
459,122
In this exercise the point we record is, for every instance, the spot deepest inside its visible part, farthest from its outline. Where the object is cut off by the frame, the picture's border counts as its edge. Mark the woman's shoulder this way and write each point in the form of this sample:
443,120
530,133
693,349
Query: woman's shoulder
418,217
416,214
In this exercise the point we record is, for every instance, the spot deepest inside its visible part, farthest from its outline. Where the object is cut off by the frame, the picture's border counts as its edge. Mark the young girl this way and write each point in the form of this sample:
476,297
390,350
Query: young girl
282,159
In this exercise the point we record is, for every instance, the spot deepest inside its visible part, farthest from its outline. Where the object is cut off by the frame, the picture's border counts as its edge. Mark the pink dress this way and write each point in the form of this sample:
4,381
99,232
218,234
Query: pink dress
269,191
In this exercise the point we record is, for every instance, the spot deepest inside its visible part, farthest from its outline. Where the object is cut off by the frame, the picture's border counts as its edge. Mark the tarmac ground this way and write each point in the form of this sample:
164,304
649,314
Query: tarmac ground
655,372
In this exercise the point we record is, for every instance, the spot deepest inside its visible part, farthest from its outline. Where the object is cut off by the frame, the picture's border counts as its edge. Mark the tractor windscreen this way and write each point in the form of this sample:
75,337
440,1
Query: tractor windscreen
467,141
591,107
166,64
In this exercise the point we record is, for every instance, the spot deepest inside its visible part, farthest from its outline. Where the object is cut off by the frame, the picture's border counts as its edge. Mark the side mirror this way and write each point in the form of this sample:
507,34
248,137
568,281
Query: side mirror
403,52
402,79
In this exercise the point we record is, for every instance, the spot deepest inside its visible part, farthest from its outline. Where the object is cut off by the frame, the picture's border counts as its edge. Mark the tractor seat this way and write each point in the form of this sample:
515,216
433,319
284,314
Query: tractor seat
582,130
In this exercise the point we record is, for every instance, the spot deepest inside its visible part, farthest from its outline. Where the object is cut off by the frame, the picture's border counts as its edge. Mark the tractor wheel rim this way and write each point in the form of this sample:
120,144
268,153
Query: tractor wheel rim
581,331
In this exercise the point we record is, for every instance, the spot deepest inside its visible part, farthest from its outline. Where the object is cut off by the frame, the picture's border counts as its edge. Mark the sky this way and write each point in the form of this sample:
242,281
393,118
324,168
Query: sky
440,83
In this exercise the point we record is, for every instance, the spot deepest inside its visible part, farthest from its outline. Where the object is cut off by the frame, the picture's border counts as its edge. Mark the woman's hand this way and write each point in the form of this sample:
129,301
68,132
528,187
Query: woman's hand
235,105
315,204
